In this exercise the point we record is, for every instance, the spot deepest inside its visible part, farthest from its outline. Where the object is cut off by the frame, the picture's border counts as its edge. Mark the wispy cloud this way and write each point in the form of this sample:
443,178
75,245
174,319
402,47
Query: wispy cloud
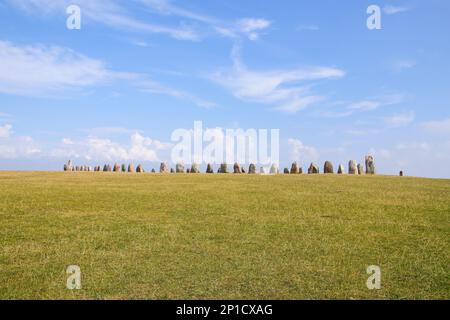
52,71
390,9
106,12
438,126
39,70
375,103
404,64
5,131
301,152
279,88
311,27
158,88
400,119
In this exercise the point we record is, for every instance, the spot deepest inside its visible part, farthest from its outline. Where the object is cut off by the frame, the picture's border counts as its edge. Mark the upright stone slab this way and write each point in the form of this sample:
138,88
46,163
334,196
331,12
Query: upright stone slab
139,169
223,168
401,174
360,169
172,170
66,168
352,167
294,168
131,168
237,168
179,168
286,171
370,165
117,168
195,168
252,169
209,169
153,170
313,169
274,169
108,167
341,169
163,168
328,167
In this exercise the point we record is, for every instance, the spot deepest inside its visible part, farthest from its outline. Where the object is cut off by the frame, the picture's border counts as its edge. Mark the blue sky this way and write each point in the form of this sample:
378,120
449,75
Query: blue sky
137,70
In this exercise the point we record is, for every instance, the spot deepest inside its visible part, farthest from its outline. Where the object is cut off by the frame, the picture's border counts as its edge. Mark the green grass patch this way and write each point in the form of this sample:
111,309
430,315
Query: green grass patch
150,236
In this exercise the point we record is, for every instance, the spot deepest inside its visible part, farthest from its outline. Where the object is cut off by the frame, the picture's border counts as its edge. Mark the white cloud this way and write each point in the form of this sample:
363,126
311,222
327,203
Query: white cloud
46,71
405,64
373,104
157,88
390,9
12,147
438,126
279,88
141,148
106,12
41,70
400,119
311,27
251,27
301,152
5,131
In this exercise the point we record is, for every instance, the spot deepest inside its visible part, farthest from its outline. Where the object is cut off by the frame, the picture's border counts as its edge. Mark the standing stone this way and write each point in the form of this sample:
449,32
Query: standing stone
294,168
117,168
286,171
163,168
223,168
66,168
237,168
70,166
370,165
341,169
243,170
131,168
352,167
274,169
124,168
195,168
77,168
252,169
109,168
313,169
153,170
360,169
139,169
209,169
401,173
188,170
172,170
328,167
262,170
300,170
179,168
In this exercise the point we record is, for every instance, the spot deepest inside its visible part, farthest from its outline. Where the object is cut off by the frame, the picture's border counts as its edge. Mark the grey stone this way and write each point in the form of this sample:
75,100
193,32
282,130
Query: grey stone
370,165
209,169
163,168
117,168
286,171
274,169
313,169
341,169
223,168
237,168
360,169
294,168
352,167
131,168
328,167
252,169
179,168
139,169
195,168
401,174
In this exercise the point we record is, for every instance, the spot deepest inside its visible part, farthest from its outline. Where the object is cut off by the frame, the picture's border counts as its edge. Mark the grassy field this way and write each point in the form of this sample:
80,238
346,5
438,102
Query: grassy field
151,236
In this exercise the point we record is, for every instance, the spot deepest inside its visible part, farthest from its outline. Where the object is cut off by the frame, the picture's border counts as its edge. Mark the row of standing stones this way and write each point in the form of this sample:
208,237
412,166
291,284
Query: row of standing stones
353,168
